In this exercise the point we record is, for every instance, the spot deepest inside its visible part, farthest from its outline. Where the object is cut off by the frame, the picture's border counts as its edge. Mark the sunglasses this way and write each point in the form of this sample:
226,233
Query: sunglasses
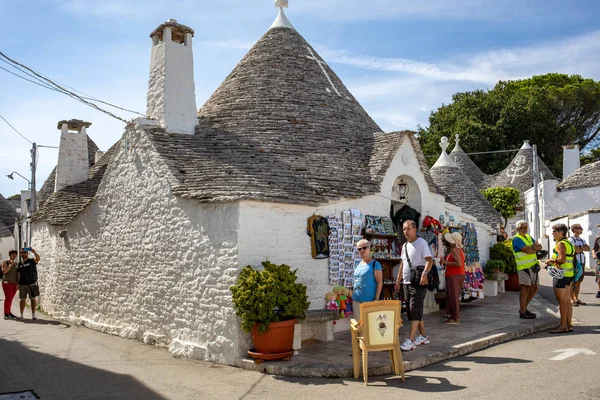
362,248
577,227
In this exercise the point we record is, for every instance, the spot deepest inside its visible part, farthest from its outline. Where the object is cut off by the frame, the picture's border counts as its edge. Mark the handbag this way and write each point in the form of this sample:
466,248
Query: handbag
416,273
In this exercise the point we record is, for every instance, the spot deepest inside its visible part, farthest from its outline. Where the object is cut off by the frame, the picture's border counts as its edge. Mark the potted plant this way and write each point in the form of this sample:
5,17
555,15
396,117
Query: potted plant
494,270
503,251
269,302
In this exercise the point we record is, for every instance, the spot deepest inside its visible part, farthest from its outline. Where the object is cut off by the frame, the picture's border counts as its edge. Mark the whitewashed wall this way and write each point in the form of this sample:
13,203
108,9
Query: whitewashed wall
143,264
6,243
588,221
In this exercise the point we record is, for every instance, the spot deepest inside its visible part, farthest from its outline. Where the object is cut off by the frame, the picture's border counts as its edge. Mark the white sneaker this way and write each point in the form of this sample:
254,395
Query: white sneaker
421,340
20,316
408,345
33,317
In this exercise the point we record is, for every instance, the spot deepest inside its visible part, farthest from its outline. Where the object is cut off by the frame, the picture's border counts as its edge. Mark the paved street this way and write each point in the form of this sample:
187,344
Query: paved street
61,361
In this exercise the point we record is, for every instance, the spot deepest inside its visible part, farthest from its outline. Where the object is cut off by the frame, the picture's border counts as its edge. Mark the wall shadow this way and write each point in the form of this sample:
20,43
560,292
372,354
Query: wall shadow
51,377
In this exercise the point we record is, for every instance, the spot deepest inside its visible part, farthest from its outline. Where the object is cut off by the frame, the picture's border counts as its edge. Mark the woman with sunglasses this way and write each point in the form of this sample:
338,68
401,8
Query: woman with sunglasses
368,278
563,258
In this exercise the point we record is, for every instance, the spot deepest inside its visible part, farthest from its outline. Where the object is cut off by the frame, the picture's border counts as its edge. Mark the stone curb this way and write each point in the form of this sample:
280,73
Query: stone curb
315,370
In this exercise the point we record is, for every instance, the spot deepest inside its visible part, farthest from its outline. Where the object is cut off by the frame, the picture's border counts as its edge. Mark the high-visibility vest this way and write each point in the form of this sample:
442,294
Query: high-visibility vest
525,260
567,267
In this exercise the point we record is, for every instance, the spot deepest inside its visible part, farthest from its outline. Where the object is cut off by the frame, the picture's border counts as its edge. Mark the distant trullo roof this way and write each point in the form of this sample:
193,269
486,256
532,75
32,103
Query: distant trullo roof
519,173
584,177
8,215
468,167
450,179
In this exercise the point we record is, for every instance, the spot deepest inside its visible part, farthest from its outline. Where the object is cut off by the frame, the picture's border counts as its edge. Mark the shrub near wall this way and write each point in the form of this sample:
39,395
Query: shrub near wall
503,251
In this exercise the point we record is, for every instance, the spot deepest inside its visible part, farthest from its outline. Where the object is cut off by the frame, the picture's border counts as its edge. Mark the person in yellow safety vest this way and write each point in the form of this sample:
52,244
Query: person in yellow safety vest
528,267
562,257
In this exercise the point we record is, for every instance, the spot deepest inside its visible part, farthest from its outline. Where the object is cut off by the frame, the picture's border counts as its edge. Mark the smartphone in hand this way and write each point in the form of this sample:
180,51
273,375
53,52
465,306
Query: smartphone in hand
27,249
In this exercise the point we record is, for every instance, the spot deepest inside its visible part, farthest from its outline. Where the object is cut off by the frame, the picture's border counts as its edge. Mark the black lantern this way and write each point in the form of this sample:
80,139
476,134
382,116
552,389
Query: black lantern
402,189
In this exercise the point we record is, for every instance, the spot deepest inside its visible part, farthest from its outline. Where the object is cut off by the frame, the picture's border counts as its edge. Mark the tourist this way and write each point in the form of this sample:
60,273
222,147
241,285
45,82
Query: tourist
415,265
9,282
562,271
502,235
455,275
368,278
596,256
528,267
580,246
28,285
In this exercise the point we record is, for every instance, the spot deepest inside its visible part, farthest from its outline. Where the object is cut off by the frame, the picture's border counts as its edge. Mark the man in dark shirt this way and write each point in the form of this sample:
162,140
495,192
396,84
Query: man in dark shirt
27,275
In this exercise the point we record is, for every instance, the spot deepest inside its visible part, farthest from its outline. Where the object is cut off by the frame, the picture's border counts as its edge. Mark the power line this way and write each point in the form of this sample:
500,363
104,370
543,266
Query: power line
14,129
68,92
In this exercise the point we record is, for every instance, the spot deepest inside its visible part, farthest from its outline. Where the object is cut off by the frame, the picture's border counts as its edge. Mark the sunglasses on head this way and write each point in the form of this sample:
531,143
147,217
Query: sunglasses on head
362,248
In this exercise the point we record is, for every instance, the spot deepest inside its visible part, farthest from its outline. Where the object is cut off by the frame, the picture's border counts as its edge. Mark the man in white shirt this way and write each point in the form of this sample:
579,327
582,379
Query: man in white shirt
416,256
580,246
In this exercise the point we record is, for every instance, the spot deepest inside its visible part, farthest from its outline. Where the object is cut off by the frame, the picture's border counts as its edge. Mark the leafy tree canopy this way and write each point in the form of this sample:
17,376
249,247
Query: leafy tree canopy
504,200
548,110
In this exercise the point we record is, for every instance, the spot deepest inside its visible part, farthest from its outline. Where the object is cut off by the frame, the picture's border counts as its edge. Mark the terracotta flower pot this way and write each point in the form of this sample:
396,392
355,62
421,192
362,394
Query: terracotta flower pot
512,283
278,339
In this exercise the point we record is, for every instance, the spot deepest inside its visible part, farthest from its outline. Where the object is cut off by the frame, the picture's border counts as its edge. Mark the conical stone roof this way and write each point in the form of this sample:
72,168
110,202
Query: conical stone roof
519,173
584,177
8,215
468,167
450,179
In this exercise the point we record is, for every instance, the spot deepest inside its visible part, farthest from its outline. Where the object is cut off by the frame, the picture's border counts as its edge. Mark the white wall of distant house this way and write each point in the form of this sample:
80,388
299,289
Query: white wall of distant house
589,222
6,243
141,263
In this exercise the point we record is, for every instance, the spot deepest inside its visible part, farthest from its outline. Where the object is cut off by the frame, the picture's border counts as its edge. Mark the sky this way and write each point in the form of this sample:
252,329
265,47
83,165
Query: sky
401,59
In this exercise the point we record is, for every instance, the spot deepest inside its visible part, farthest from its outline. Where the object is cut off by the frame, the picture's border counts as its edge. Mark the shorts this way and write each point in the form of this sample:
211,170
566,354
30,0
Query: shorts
598,271
562,282
25,290
415,297
528,278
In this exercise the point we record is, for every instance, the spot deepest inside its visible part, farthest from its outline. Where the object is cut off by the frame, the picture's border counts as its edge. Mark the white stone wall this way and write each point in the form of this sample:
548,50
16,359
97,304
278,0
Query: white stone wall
73,162
555,204
140,263
171,90
588,221
6,243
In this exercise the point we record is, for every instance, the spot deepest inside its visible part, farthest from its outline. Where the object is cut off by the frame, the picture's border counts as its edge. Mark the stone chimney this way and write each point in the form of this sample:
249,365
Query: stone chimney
171,92
570,159
73,162
98,156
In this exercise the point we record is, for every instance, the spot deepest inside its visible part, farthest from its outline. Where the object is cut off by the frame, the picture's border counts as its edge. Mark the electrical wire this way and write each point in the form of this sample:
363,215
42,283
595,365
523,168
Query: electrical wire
69,93
14,129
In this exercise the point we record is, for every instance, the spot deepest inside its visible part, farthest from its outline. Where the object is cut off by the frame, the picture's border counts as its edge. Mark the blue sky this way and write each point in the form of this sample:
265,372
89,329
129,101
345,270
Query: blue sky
401,59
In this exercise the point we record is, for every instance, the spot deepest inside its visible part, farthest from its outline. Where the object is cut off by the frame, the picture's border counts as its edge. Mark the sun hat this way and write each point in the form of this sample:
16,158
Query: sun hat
454,238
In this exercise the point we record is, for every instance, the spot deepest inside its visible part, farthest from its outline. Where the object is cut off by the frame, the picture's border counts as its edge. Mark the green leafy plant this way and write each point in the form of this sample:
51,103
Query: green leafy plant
493,266
503,251
504,200
271,294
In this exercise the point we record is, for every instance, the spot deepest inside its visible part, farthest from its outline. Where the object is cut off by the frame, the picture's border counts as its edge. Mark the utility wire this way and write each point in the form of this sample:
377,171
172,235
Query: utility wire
65,91
14,129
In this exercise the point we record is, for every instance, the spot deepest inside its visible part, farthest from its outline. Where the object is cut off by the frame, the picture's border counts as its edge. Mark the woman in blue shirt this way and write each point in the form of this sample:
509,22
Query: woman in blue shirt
368,278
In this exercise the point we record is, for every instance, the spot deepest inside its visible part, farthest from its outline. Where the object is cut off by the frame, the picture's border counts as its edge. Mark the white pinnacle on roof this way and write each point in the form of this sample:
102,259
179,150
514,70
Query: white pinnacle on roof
444,160
281,21
526,145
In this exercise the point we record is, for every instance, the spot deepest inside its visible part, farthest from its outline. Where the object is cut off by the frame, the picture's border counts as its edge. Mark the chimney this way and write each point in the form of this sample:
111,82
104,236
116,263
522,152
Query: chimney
570,159
171,92
73,162
98,156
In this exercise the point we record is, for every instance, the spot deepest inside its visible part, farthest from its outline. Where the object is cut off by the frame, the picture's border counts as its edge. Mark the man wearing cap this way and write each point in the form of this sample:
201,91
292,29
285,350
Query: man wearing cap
580,246
524,249
9,282
28,285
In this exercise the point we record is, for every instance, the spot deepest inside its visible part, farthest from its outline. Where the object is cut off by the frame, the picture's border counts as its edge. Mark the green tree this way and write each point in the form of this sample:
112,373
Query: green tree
549,110
504,200
592,156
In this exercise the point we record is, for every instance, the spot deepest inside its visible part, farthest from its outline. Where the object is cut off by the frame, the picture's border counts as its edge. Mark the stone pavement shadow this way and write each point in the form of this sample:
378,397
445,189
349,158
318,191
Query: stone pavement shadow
41,321
425,384
444,367
52,377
